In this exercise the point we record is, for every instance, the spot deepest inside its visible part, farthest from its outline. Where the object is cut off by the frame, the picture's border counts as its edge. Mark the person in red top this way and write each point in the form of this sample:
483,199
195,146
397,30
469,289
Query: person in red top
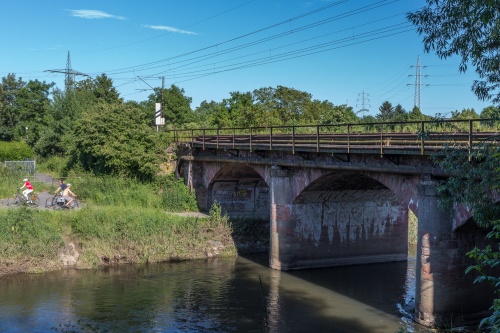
29,188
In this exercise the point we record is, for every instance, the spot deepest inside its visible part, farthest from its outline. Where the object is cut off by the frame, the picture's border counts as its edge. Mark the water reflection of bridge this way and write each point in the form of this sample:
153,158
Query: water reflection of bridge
341,194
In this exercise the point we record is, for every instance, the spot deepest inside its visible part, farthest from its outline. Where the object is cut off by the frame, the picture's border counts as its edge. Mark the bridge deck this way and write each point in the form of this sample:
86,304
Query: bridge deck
401,138
395,143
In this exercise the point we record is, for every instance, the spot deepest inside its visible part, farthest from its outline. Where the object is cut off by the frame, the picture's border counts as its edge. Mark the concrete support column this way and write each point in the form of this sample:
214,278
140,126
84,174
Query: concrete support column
435,271
188,175
281,206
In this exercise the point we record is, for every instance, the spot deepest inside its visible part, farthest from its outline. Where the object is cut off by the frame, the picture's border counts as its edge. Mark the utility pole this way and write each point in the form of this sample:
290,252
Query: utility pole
159,107
418,83
69,80
364,101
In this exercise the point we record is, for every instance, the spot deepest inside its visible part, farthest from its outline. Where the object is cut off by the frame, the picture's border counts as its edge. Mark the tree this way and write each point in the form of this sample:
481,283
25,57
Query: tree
282,105
491,112
400,113
326,113
213,114
470,29
464,114
113,139
177,106
416,114
386,111
33,106
103,89
9,116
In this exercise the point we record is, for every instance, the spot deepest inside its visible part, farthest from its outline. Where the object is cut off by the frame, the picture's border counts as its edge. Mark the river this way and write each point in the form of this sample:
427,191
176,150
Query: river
219,295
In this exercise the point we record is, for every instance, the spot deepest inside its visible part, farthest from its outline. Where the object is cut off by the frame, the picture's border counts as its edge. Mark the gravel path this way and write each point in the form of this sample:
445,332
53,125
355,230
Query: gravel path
43,196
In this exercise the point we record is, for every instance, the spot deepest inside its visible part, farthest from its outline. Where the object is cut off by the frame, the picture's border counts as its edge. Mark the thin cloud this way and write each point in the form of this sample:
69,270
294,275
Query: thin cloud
93,14
170,29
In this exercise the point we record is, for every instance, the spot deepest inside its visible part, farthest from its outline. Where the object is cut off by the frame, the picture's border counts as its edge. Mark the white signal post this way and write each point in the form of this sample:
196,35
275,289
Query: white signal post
160,120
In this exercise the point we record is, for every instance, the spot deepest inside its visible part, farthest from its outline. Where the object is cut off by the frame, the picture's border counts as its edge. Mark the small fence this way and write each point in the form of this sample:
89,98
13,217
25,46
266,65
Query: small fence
22,169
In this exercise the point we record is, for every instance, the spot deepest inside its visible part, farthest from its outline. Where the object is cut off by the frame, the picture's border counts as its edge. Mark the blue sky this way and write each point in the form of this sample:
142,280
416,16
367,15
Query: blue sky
346,52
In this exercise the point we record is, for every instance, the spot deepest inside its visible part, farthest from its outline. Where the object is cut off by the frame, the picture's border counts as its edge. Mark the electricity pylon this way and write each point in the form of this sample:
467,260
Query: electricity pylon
70,73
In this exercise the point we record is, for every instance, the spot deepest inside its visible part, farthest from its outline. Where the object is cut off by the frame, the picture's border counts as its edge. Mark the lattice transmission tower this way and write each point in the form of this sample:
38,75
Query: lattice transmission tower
70,73
418,83
364,103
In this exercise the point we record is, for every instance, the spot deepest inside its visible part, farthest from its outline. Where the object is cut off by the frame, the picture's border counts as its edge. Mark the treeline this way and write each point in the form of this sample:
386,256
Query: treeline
95,130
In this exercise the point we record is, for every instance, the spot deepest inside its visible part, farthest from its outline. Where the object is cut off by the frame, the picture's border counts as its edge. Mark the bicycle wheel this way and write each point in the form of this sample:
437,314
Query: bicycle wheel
13,200
75,204
50,202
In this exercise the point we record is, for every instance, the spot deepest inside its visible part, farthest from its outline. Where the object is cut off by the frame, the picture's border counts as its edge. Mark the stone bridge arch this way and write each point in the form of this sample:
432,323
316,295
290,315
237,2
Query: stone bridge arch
240,189
346,217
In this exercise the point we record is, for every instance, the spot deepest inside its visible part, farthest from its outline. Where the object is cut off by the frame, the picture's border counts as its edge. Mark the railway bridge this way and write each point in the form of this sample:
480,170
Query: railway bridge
342,195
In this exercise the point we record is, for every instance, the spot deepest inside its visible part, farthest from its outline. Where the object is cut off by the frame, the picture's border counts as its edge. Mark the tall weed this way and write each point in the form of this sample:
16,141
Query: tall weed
131,234
29,235
165,193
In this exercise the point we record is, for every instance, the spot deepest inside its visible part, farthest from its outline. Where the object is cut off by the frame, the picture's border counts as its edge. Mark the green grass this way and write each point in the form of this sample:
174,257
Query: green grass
29,239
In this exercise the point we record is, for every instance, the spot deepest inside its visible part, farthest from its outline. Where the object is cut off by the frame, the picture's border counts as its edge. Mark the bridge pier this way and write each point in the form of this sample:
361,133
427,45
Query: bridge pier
445,295
281,211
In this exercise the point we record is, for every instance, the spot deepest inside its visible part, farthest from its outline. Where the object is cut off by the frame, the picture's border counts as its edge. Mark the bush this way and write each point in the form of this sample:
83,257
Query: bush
14,151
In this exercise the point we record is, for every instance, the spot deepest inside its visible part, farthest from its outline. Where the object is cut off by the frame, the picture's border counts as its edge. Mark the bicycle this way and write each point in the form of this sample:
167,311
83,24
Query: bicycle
19,198
58,202
55,202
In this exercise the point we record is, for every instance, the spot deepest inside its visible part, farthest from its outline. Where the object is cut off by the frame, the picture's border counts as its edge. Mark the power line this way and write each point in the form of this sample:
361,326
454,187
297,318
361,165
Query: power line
359,10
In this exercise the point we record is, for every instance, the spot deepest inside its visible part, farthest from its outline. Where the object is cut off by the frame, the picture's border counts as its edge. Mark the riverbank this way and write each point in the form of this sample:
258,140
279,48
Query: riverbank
35,241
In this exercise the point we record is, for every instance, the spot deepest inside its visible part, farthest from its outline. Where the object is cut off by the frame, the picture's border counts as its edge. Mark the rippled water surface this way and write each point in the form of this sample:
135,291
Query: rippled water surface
221,295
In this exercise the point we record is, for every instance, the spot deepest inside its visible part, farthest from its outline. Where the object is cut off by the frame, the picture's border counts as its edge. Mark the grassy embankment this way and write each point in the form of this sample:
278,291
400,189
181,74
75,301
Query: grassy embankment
122,221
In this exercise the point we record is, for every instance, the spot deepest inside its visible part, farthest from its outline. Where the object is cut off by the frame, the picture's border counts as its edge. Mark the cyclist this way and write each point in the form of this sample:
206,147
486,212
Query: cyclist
61,187
67,195
29,188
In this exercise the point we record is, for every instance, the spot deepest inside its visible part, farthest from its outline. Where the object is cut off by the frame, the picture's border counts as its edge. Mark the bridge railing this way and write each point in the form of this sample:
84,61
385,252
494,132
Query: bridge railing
409,137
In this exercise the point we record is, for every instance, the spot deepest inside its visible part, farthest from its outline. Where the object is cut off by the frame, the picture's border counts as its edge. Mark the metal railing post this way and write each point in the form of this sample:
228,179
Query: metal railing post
234,135
250,138
422,134
381,139
203,139
271,139
348,138
293,140
470,140
317,138
217,144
